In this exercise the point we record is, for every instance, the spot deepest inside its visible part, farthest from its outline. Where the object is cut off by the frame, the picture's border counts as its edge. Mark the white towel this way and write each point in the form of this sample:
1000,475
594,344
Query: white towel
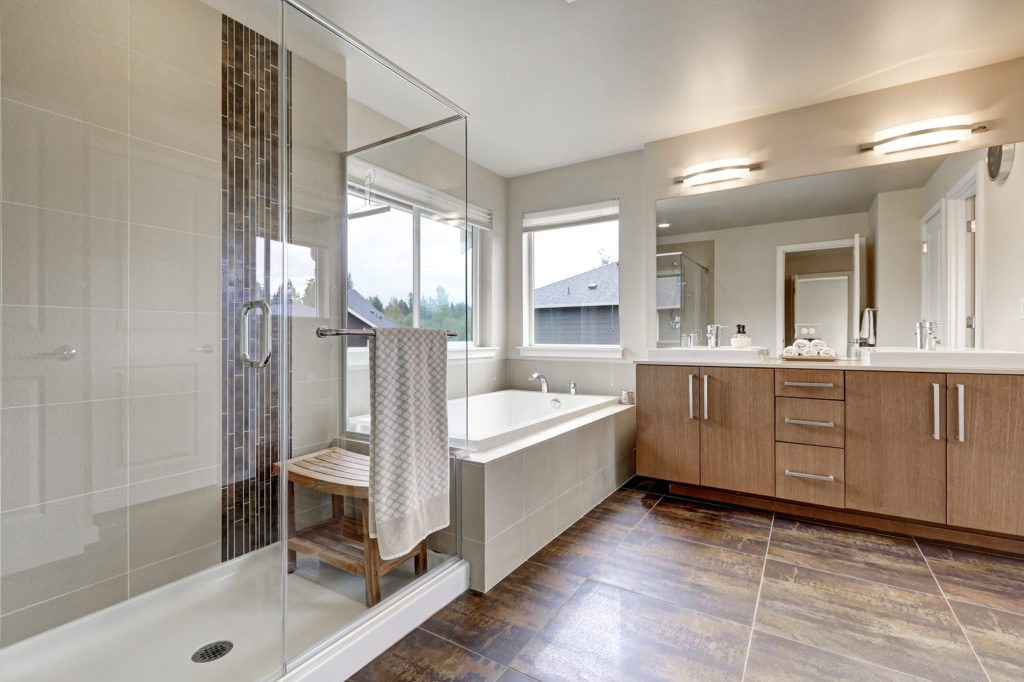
409,468
790,352
867,326
818,345
800,344
827,353
809,352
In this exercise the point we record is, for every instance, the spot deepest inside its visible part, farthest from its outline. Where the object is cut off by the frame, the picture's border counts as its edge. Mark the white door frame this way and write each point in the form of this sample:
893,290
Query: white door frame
780,282
955,224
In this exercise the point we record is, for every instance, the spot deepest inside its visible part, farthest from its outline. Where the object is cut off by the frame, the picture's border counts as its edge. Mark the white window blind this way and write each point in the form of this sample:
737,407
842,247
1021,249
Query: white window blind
439,204
599,212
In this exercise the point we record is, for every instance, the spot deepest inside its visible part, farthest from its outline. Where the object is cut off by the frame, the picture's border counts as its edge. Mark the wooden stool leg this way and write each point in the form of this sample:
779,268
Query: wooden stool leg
291,525
420,559
338,506
371,560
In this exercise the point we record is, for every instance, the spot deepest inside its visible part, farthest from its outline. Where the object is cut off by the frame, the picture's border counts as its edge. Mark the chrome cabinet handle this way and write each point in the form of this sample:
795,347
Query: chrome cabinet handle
808,384
813,477
936,431
690,392
705,397
243,334
811,422
960,412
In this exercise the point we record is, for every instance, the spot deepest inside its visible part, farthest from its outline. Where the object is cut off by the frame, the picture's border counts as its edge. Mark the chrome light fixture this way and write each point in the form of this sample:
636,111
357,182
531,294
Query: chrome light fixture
664,225
934,131
368,209
716,171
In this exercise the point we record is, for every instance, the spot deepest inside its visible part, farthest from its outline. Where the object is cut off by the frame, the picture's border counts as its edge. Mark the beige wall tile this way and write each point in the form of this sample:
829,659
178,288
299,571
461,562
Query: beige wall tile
55,548
172,434
108,18
173,515
174,352
54,65
174,189
55,162
41,617
313,358
167,571
173,108
504,553
33,375
59,451
472,485
315,411
541,527
185,33
551,468
63,259
176,271
503,494
320,127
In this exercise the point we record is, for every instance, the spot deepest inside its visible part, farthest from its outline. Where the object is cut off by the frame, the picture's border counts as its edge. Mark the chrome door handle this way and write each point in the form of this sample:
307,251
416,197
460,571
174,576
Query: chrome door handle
960,412
705,397
243,334
690,392
811,422
813,477
808,384
936,430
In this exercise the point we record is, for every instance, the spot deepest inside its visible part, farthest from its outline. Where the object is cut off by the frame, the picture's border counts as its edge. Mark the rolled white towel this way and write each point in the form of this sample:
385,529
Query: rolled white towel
827,353
809,352
790,352
800,344
818,345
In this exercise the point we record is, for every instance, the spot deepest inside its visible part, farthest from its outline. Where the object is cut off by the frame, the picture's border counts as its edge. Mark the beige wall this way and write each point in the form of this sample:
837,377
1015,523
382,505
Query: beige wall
897,227
745,267
1001,253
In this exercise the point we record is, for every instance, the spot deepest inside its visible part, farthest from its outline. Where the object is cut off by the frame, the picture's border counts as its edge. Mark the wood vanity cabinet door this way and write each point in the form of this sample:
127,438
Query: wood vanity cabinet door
894,463
667,439
737,440
986,470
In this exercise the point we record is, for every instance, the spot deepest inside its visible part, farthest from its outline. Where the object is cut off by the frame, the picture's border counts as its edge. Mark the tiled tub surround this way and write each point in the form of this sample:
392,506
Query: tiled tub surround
517,497
649,586
111,247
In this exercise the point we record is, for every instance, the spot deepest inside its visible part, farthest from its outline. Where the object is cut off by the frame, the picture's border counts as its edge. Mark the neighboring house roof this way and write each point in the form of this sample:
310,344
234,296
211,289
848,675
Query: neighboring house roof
667,292
597,287
361,308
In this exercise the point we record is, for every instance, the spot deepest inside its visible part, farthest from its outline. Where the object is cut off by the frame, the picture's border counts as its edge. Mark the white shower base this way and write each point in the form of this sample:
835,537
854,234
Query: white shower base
153,636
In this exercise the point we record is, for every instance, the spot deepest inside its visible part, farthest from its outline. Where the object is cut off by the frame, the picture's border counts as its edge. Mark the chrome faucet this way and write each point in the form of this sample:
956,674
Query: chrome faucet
537,376
713,335
924,332
572,388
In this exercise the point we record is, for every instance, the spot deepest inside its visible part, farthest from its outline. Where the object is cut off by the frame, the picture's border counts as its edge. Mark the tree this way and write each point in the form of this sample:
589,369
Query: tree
309,293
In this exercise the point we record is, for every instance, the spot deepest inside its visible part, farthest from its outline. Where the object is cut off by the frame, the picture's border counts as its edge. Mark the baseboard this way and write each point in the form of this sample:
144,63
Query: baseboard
392,622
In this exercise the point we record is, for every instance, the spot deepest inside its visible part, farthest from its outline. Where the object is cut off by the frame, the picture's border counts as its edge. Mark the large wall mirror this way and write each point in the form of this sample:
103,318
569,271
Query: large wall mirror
855,258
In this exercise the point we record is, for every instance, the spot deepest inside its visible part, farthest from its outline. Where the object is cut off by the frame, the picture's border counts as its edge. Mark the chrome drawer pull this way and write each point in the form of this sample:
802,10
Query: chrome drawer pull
960,413
936,413
813,477
808,384
811,422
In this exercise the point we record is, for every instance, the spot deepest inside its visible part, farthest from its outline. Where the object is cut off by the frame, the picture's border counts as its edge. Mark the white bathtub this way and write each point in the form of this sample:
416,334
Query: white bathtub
503,416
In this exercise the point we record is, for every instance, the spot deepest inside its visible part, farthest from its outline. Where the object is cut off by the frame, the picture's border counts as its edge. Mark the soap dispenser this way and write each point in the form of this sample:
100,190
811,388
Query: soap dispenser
740,339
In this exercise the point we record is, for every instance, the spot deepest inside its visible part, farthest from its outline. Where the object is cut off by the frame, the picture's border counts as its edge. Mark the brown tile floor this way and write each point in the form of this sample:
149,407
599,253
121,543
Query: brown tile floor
652,587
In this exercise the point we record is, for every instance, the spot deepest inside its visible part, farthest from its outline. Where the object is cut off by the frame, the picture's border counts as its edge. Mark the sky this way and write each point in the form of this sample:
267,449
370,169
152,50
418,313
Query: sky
568,251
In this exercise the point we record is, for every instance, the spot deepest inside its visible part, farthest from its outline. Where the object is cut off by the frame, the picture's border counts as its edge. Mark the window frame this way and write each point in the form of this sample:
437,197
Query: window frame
529,347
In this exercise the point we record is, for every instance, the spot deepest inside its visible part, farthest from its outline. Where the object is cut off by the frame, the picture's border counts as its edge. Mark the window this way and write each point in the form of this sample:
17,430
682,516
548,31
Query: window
572,276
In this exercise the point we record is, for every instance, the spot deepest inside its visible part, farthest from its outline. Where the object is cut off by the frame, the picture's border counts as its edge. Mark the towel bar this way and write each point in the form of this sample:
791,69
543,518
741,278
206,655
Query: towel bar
324,332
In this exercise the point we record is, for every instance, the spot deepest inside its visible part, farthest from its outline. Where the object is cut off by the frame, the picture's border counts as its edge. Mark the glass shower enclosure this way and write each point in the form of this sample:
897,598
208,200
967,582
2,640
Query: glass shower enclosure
189,191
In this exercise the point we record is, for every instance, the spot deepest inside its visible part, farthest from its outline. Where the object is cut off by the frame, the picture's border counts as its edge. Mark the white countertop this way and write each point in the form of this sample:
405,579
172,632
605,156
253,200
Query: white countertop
778,363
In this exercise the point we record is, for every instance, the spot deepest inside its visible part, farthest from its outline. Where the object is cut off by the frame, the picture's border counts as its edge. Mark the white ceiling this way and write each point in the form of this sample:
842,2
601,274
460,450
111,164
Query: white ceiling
549,83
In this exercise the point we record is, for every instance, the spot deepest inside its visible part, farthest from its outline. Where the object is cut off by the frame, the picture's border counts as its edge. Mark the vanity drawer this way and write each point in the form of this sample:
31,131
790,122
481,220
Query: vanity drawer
806,473
810,422
810,383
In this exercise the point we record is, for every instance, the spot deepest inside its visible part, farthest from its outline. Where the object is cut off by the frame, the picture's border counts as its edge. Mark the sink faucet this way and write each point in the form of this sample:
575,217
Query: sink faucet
537,376
925,334
713,335
572,388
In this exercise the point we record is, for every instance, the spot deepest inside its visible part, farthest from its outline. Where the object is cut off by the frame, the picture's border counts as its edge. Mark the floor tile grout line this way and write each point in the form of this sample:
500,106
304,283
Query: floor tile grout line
757,602
466,649
949,606
854,577
961,600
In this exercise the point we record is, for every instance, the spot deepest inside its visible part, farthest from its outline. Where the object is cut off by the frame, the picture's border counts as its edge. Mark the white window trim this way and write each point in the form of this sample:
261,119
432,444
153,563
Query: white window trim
529,349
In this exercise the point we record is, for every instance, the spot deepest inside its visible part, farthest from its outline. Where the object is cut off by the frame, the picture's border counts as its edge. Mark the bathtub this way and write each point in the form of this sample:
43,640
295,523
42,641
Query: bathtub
501,417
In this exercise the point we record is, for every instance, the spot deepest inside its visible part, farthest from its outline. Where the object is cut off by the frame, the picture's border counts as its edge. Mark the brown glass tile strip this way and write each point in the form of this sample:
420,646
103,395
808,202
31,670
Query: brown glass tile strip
251,195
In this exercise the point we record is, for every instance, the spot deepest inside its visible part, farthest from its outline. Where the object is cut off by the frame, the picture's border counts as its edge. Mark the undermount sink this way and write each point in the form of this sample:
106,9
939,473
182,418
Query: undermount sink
968,358
705,354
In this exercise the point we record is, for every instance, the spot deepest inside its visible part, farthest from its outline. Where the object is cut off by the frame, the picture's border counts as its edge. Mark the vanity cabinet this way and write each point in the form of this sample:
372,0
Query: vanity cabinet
667,425
985,452
737,434
896,444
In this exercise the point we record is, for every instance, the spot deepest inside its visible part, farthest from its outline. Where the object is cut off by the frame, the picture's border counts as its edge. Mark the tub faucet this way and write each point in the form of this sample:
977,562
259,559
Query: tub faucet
572,388
537,376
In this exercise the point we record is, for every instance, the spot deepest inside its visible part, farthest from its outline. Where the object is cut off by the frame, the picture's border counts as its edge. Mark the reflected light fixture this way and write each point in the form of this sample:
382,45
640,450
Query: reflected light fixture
664,225
716,171
934,131
368,209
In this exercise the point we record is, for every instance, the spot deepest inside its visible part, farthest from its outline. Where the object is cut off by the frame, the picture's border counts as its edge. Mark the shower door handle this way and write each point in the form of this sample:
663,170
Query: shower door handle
243,334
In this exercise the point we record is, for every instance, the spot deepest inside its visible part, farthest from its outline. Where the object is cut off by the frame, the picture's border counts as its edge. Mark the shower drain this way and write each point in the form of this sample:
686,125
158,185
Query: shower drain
212,651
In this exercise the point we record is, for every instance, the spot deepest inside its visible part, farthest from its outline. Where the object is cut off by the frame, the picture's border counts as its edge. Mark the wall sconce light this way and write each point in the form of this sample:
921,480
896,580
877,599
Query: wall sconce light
664,225
716,171
928,133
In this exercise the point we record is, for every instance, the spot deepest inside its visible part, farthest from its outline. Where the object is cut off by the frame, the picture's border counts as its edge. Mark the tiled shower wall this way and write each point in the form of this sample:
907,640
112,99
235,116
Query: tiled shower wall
111,308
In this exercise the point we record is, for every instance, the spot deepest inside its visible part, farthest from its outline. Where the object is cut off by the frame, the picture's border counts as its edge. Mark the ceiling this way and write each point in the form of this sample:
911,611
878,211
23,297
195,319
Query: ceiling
812,196
549,83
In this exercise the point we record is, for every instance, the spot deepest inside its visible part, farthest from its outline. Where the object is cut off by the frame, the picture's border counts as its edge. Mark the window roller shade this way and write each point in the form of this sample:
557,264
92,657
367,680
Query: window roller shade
566,217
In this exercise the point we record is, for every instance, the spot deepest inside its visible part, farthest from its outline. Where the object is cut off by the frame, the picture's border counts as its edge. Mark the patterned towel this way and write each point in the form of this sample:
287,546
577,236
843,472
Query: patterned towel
409,484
